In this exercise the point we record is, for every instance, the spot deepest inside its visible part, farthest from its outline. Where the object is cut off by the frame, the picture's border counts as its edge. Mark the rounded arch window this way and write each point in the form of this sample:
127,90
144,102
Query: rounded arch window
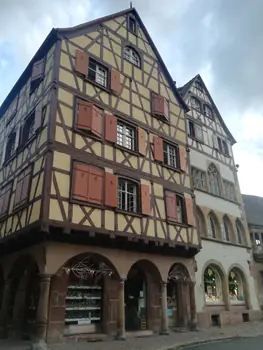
212,285
239,230
226,229
131,55
195,103
214,180
235,285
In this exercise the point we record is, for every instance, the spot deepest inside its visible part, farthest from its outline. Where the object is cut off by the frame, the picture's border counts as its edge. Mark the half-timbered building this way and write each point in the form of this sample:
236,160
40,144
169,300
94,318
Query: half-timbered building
225,290
97,216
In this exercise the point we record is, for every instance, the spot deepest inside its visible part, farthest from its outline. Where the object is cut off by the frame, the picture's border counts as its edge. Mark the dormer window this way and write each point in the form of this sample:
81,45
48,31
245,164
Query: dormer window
198,85
208,111
196,104
132,25
131,55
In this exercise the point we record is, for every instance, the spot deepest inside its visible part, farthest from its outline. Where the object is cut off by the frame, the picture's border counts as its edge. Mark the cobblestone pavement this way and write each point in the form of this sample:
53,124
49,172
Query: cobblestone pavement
154,342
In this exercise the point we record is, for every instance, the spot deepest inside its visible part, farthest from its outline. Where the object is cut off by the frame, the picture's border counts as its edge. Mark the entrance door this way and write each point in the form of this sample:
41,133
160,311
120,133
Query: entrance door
172,304
135,300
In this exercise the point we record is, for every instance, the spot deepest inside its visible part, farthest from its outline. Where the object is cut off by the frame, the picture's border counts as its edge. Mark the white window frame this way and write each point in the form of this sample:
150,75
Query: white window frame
123,138
171,153
134,193
101,73
198,130
132,56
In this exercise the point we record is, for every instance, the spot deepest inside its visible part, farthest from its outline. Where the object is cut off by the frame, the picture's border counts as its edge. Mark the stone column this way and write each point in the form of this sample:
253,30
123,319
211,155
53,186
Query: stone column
193,324
4,311
183,295
121,311
43,307
164,330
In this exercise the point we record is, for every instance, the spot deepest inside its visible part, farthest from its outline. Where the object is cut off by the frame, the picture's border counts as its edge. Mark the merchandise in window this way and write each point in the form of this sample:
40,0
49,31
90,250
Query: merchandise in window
131,55
213,285
235,285
127,195
125,136
195,130
170,155
98,73
199,178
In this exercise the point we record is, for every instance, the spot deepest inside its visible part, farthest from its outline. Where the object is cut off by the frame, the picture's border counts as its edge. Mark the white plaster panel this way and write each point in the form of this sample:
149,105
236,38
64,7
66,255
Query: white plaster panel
226,255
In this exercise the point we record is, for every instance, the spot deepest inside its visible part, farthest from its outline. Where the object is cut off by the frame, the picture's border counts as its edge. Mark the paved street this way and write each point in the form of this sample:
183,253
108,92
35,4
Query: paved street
240,344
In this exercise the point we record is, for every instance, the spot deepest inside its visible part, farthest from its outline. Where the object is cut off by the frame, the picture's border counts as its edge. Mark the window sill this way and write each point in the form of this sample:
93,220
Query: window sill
162,118
215,303
214,195
124,149
224,154
171,222
22,147
178,170
120,211
85,203
87,133
196,139
105,88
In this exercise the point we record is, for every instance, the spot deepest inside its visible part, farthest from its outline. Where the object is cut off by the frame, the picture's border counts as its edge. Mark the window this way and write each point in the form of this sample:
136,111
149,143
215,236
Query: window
170,155
5,194
239,230
175,207
198,85
208,111
235,286
195,130
125,136
131,55
214,180
199,178
37,75
98,73
11,145
127,195
213,285
180,209
229,190
257,238
222,146
196,104
226,229
212,227
131,24
22,187
28,129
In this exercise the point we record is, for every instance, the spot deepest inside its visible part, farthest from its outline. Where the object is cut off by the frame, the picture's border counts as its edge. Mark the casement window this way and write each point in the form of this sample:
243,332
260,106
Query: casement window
214,180
126,136
127,195
98,73
89,118
37,74
208,111
229,190
132,56
23,187
170,155
198,85
222,146
132,24
195,130
179,209
199,178
196,104
10,146
5,195
160,107
31,124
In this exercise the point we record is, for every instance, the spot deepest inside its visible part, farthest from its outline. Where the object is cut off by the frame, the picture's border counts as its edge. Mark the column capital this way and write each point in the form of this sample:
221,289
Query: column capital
164,283
192,283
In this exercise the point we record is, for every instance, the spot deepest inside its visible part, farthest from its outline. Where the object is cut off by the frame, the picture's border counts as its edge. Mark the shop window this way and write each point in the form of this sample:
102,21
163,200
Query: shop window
236,291
132,56
214,180
128,195
213,285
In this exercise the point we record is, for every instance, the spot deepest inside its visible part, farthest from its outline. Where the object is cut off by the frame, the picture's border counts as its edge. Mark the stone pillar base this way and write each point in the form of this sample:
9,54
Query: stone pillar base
165,332
121,337
39,345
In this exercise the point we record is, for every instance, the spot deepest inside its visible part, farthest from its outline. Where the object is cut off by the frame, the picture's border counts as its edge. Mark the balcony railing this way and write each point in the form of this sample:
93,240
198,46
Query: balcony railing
258,251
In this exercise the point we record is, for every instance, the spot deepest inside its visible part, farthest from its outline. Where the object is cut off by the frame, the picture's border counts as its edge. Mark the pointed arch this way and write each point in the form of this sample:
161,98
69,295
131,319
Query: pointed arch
213,227
240,232
214,180
227,229
201,222
132,55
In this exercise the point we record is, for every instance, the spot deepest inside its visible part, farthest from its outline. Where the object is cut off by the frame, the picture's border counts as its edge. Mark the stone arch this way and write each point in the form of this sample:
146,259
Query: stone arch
201,222
240,271
240,232
214,264
213,226
227,229
152,289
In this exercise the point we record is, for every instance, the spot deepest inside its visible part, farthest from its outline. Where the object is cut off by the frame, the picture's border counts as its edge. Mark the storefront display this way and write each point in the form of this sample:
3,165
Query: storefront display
235,287
213,286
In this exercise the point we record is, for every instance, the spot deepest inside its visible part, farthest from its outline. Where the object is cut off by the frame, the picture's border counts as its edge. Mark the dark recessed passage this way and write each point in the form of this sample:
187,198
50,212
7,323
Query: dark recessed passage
215,320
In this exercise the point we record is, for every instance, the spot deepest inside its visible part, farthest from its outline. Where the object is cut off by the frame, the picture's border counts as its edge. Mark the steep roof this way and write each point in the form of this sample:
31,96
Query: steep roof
254,209
185,88
57,33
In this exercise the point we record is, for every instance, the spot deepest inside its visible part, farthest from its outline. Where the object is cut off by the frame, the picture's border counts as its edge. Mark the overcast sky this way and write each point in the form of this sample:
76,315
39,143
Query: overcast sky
220,39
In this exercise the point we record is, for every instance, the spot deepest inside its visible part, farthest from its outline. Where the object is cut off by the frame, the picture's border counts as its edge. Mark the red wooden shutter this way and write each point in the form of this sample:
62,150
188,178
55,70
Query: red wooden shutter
158,148
96,121
84,116
158,104
189,211
171,207
183,158
82,62
141,141
146,199
81,182
38,117
37,70
110,128
95,185
111,190
115,83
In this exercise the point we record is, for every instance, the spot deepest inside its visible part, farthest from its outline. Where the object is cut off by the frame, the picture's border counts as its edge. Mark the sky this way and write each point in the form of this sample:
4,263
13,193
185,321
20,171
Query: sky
220,39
